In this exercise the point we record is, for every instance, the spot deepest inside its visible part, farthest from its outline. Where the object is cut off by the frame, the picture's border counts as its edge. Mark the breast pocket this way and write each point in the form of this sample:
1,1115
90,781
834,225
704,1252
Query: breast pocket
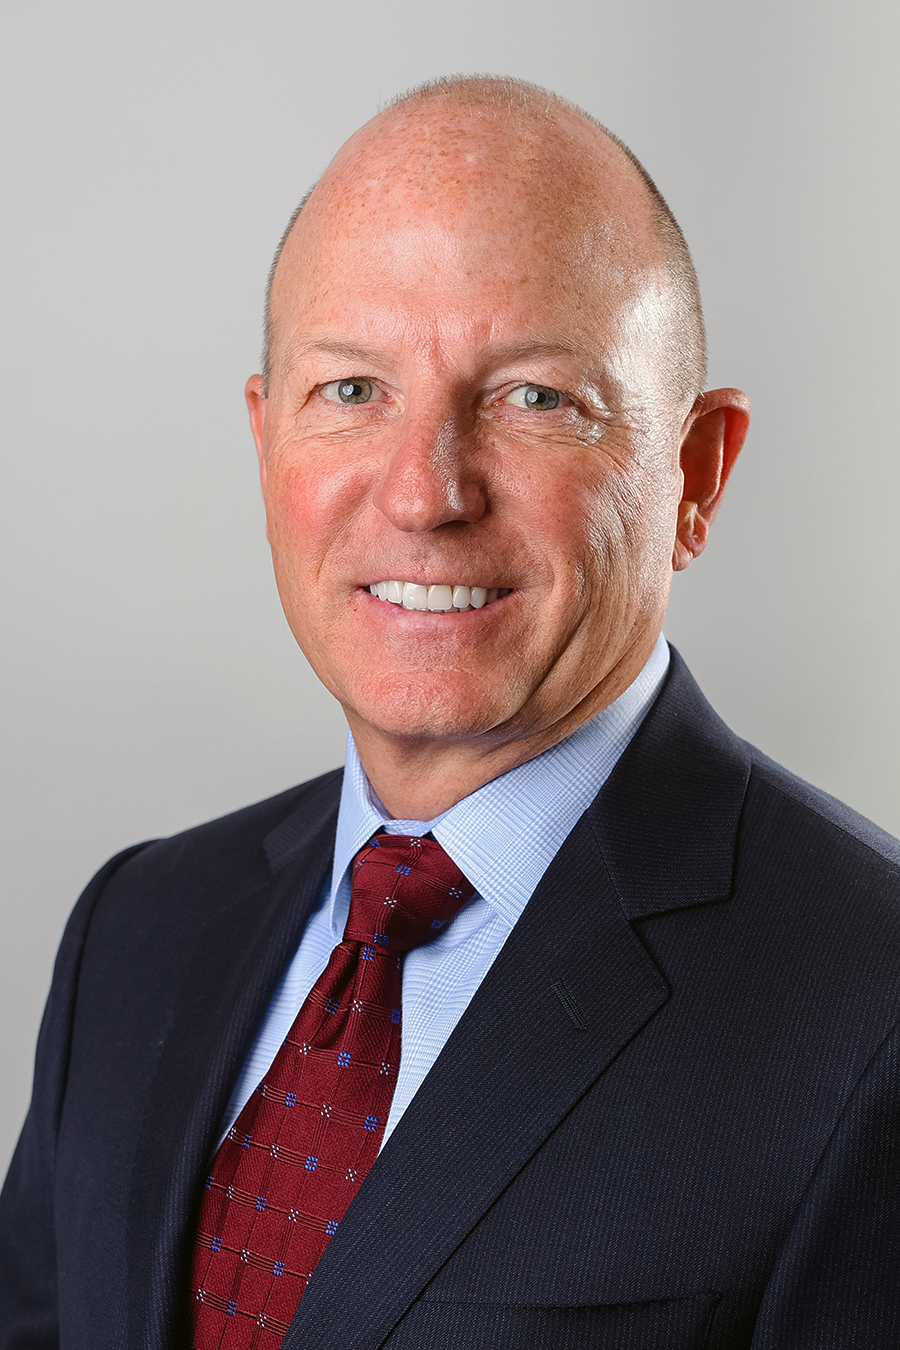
663,1324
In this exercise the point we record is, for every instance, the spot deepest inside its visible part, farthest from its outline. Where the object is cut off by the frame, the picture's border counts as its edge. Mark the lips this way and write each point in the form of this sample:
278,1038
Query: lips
438,599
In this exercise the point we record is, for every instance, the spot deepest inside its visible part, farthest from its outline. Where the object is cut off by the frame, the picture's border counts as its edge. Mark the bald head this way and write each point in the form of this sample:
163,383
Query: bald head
523,156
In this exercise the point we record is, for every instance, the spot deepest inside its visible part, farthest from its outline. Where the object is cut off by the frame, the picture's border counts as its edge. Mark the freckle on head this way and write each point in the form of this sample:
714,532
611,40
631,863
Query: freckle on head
474,148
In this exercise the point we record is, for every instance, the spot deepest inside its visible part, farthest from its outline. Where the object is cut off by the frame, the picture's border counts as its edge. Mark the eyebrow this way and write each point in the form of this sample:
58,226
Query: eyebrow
345,351
503,352
547,347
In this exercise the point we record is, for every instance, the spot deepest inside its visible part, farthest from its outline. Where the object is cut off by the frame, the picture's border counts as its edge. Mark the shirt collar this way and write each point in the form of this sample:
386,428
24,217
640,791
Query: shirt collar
504,836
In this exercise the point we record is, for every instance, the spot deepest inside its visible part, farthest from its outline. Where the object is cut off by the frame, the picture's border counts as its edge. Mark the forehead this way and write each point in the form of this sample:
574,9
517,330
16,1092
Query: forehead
460,208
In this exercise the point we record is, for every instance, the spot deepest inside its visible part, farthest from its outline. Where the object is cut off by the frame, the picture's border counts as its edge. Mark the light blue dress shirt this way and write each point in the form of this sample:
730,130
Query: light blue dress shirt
502,837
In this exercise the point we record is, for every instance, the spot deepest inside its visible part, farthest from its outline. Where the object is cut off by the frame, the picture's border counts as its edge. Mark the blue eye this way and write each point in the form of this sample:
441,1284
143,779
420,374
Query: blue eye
354,390
535,397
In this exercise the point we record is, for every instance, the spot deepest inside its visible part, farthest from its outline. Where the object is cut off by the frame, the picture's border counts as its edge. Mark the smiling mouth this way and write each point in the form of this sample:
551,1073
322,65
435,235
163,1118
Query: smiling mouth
440,599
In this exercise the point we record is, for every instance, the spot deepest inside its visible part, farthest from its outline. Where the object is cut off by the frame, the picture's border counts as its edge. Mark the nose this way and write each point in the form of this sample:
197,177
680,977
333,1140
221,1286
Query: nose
431,478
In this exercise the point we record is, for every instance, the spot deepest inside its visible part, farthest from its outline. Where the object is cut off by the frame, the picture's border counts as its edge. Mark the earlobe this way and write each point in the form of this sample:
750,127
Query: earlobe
711,441
690,536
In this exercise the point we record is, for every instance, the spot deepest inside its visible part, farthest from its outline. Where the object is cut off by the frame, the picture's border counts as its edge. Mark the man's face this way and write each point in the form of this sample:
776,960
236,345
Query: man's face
465,395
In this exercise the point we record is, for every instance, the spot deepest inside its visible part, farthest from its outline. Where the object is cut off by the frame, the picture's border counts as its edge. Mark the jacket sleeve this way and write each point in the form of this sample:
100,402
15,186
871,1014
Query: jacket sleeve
28,1277
836,1282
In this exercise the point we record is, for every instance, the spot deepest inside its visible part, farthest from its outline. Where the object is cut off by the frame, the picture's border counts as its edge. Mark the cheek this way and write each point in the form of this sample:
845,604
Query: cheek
631,529
616,521
306,510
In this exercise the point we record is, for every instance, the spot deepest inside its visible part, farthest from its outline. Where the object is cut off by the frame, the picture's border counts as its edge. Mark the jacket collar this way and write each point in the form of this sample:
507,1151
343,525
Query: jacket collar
667,820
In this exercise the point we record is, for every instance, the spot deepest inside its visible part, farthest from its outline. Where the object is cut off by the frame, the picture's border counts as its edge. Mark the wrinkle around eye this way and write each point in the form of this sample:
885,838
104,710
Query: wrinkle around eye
570,421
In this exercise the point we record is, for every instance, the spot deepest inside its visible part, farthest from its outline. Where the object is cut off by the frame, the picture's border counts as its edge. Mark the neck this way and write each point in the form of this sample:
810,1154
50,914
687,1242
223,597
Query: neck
419,778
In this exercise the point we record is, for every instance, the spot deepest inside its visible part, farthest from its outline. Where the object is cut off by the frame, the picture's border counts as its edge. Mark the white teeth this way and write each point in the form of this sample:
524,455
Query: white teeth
439,599
414,597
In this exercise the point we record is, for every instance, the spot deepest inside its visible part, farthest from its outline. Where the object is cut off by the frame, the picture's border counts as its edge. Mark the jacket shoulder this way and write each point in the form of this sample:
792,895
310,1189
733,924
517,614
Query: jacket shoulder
807,811
250,843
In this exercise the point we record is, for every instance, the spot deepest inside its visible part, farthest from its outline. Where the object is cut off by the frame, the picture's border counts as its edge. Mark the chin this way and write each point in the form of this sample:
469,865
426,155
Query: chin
451,708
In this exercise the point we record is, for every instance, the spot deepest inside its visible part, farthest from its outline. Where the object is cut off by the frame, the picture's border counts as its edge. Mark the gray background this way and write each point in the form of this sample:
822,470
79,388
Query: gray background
151,154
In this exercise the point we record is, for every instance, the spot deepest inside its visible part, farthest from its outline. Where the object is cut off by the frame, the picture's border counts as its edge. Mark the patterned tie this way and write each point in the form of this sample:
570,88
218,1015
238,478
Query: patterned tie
298,1152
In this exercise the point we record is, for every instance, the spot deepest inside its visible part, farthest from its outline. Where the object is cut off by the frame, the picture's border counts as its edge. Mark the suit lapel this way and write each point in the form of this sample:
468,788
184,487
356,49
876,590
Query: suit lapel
667,820
571,987
239,957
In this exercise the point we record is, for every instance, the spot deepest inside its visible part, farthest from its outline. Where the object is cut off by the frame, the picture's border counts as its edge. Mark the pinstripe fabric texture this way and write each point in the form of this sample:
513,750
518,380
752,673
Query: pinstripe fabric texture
297,1154
503,838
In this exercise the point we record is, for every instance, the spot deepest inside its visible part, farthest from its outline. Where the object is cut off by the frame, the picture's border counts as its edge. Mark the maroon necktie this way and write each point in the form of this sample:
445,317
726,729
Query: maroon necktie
298,1152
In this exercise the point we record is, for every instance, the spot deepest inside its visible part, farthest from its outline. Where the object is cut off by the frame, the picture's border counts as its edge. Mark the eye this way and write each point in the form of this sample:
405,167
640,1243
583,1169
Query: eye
535,397
354,390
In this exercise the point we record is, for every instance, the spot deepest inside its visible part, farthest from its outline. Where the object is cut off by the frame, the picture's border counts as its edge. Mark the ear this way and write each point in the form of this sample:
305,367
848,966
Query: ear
256,406
711,441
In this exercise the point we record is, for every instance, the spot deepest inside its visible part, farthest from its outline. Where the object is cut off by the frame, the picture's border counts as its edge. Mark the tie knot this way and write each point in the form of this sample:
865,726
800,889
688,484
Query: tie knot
405,891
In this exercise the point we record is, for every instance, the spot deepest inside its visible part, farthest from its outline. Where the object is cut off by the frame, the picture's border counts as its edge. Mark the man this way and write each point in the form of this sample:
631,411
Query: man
648,1094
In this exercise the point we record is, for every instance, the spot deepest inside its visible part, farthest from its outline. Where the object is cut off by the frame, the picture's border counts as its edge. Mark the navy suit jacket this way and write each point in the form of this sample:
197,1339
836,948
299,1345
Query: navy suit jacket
670,1117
